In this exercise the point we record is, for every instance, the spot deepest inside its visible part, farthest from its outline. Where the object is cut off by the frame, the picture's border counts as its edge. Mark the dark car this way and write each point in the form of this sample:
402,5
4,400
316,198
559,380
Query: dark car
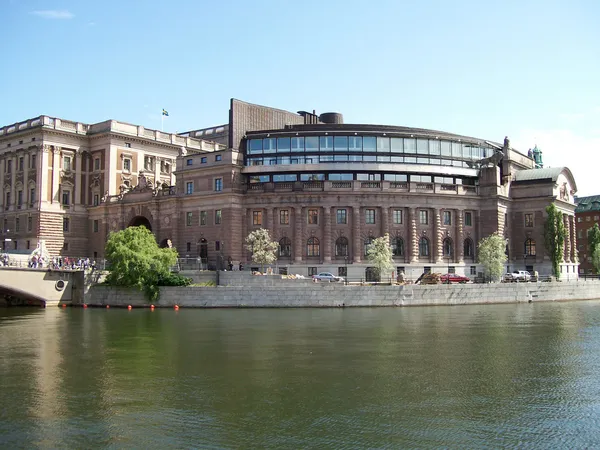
454,278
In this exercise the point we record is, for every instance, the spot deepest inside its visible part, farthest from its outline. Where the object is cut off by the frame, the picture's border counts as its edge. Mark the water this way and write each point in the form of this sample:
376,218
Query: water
502,376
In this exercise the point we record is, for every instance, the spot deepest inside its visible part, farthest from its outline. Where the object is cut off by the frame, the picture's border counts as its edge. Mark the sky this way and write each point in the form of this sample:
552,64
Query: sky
529,70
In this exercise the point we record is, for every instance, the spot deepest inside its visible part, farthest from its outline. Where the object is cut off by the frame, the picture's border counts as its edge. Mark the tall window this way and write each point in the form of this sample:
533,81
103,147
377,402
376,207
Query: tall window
447,247
369,216
21,164
203,217
530,247
397,245
9,166
341,246
32,195
468,248
189,187
127,165
397,216
529,220
423,247
257,218
96,163
341,216
285,247
312,247
66,163
29,223
32,160
284,217
66,224
188,218
19,198
218,184
447,218
96,199
17,224
66,198
367,244
96,226
313,216
218,216
423,217
468,219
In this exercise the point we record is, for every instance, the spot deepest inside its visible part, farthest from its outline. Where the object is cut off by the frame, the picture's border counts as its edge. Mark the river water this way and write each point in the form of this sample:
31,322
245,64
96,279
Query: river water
496,376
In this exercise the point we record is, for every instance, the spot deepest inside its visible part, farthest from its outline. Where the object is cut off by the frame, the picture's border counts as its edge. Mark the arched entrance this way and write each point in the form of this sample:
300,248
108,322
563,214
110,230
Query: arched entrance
140,221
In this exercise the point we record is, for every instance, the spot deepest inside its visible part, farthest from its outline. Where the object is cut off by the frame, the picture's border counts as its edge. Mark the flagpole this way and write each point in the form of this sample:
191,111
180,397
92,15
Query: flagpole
162,121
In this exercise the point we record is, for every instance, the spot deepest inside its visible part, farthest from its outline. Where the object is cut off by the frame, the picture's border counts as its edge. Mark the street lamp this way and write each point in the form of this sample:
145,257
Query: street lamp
346,264
448,273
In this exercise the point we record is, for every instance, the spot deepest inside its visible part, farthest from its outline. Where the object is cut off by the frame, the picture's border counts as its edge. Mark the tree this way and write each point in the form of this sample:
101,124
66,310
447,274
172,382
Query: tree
379,253
594,242
554,237
492,255
136,261
263,249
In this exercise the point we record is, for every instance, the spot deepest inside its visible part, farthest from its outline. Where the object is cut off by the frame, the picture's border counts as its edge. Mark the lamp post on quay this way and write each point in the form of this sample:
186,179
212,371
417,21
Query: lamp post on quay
346,265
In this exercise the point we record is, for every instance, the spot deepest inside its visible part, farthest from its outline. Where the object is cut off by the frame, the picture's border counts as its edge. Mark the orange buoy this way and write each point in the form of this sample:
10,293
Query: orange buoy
64,305
176,307
84,306
128,306
107,306
152,307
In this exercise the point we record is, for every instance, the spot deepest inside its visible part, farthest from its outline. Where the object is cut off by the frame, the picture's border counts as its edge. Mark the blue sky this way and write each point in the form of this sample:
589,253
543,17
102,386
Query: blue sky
526,69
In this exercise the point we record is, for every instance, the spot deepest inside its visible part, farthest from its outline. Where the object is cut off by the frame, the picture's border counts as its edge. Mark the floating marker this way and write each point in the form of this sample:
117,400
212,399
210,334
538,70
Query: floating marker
84,306
64,305
152,307
107,306
128,306
176,307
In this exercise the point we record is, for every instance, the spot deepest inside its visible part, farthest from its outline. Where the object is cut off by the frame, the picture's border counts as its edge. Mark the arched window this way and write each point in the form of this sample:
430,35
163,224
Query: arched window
367,244
447,247
312,247
397,245
423,247
530,247
341,246
468,248
285,247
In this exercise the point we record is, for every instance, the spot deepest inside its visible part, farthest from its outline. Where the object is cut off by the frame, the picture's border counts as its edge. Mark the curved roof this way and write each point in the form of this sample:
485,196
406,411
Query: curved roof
546,173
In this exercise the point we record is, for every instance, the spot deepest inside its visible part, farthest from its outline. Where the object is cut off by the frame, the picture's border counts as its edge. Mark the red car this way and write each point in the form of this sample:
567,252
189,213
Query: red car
454,278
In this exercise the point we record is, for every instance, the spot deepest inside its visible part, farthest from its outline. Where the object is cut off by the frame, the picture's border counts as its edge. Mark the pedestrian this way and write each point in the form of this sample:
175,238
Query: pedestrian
241,266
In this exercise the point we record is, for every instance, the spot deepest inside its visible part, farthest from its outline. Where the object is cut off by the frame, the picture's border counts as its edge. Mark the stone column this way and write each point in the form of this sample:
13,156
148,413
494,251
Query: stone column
574,256
357,248
156,166
385,220
438,238
42,174
13,182
458,245
567,247
77,189
298,234
414,238
327,234
269,221
86,186
26,199
55,196
2,194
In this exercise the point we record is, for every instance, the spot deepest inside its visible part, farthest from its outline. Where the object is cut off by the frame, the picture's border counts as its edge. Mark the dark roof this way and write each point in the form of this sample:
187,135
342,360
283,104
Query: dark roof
587,204
547,173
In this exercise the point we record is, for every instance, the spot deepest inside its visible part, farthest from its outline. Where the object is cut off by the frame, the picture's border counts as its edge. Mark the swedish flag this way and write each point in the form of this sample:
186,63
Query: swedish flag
165,113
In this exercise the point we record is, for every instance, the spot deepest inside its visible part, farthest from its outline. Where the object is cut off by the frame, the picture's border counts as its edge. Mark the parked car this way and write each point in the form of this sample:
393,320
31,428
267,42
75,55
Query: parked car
517,276
450,278
327,276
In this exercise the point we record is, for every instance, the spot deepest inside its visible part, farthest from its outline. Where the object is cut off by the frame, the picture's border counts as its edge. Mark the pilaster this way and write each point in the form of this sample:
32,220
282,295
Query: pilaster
414,238
55,175
77,199
356,247
438,238
42,179
298,233
459,241
244,229
385,220
13,178
327,234
2,169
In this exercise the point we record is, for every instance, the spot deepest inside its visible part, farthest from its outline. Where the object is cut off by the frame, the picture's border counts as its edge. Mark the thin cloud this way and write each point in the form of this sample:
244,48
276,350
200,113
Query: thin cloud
54,14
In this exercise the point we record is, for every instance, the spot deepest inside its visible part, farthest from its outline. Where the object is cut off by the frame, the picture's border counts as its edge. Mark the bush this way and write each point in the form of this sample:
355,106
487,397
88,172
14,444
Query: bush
174,279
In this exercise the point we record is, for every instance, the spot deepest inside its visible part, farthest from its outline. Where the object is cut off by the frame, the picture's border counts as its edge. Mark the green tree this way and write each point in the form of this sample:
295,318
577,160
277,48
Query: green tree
136,261
554,237
264,250
594,242
596,259
379,253
492,255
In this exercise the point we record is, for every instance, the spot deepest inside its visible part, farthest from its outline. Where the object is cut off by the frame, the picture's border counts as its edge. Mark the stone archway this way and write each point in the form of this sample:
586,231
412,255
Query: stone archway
140,221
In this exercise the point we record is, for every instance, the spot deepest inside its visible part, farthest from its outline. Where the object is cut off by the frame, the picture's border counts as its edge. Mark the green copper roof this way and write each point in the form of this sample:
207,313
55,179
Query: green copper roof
547,173
586,204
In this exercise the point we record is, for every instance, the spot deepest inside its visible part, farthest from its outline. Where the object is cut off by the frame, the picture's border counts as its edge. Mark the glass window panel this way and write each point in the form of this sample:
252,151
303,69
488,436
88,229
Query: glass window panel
326,158
434,161
369,143
355,143
397,159
422,146
326,143
383,144
397,145
395,177
341,158
312,144
369,158
311,159
269,145
476,152
457,163
283,144
255,161
446,162
355,158
410,159
446,148
340,143
466,152
255,146
434,147
283,160
270,161
312,177
382,158
456,149
297,160
422,160
297,144
284,177
340,176
410,145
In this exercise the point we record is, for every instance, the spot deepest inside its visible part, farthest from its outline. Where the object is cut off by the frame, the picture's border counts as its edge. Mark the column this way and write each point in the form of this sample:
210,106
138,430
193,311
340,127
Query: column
298,234
55,175
438,238
385,220
244,233
77,193
86,169
414,238
574,257
269,221
459,244
567,249
327,234
2,169
357,248
26,199
156,167
42,178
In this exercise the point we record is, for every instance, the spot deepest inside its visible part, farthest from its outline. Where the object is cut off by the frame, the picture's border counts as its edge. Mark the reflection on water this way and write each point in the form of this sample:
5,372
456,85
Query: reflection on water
459,377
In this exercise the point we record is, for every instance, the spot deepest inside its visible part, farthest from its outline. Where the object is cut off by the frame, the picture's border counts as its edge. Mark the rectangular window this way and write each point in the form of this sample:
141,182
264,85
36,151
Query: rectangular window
17,224
342,271
95,228
257,218
28,245
529,220
29,223
312,271
313,216
9,166
127,165
579,219
423,217
341,216
370,216
66,198
218,216
218,157
127,145
188,246
469,219
96,163
7,204
218,184
189,187
203,160
284,217
66,163
189,162
96,199
65,246
32,161
397,215
66,224
19,198
203,217
447,218
188,218
21,164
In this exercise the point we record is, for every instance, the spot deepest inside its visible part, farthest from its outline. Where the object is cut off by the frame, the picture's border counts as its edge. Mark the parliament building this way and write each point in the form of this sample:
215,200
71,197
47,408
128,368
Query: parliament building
324,189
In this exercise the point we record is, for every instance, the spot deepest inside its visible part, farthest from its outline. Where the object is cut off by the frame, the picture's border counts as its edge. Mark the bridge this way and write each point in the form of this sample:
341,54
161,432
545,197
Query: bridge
42,287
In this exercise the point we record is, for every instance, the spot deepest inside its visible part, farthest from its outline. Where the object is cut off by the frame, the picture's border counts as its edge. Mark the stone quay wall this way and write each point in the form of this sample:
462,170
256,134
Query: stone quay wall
274,292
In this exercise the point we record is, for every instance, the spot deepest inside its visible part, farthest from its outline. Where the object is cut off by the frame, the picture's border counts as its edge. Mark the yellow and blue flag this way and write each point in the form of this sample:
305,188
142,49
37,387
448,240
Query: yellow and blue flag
165,113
